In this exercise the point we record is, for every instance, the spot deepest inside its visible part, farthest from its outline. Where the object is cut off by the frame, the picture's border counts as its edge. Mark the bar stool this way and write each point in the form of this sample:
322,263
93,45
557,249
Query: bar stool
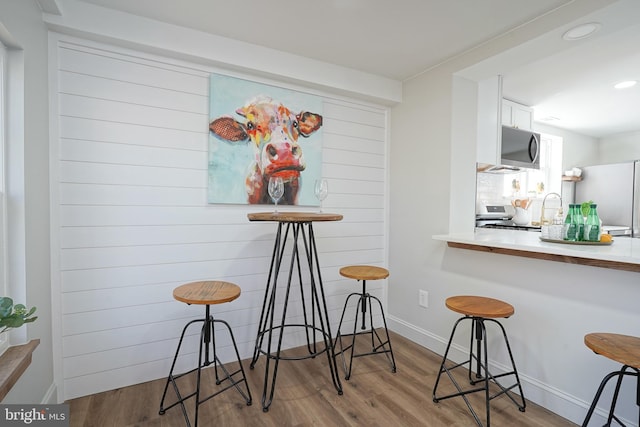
623,349
206,293
479,310
364,273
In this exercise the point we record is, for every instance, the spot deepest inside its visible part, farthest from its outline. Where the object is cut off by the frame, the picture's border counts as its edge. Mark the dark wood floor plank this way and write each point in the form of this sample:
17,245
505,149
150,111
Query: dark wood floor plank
305,396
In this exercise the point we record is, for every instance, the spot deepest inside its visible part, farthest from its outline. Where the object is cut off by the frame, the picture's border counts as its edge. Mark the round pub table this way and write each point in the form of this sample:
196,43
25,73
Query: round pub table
272,325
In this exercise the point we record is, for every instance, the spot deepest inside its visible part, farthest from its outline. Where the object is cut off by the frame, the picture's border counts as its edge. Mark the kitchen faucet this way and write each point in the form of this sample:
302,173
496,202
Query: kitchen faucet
544,221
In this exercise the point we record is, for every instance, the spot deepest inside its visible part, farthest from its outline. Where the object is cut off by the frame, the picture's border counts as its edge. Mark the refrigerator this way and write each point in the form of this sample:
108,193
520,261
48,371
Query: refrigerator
615,189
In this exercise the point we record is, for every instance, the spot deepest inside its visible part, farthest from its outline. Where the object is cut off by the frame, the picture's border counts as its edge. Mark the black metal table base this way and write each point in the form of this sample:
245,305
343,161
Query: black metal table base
626,370
482,374
207,340
378,346
316,320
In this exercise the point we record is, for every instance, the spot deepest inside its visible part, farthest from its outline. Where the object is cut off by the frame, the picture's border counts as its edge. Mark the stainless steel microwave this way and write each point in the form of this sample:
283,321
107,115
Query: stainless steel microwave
520,148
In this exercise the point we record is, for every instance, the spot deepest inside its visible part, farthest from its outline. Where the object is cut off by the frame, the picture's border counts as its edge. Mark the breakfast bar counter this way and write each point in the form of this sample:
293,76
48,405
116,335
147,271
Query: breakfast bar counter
622,254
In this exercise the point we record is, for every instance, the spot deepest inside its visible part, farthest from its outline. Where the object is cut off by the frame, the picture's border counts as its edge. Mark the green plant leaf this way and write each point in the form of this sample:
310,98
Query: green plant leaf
6,304
14,322
14,316
585,207
19,309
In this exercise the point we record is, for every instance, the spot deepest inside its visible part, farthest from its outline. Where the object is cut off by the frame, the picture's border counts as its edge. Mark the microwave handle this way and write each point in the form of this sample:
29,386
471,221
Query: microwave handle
533,140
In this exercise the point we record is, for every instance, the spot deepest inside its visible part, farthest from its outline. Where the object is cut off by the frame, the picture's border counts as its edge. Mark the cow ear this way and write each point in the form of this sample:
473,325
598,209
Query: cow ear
308,123
228,129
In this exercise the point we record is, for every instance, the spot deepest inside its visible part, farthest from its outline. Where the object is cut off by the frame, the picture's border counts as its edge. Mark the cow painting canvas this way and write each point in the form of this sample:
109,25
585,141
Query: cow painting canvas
257,131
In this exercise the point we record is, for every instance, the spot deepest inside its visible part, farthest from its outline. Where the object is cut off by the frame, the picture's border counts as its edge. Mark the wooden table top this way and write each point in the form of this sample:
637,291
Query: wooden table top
364,272
479,306
623,349
293,216
207,292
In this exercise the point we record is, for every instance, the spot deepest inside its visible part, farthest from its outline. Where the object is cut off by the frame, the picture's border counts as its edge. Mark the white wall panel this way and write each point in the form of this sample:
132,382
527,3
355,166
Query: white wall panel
99,173
122,277
83,85
133,221
353,144
101,152
128,133
124,112
126,195
105,236
348,128
114,65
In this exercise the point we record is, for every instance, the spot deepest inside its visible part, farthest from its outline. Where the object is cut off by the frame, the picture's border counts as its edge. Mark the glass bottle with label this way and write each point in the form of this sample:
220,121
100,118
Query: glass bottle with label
569,232
556,228
592,225
579,220
574,224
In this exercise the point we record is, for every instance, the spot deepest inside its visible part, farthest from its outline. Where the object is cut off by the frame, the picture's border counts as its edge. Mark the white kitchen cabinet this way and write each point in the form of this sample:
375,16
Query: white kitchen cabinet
517,115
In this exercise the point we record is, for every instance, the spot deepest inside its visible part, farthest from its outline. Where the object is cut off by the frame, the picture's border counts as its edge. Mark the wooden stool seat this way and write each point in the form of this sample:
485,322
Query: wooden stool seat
207,292
475,306
623,349
379,345
364,272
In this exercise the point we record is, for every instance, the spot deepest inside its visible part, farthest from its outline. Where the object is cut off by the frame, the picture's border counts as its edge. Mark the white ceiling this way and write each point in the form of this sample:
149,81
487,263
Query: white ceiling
574,85
392,38
399,39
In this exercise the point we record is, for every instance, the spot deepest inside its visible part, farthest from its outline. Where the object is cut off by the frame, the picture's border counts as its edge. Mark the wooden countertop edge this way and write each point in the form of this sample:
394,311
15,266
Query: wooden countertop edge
13,363
616,265
294,216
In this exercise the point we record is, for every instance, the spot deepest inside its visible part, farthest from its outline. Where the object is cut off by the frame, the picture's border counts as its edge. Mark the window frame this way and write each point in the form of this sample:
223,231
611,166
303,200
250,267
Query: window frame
4,338
14,178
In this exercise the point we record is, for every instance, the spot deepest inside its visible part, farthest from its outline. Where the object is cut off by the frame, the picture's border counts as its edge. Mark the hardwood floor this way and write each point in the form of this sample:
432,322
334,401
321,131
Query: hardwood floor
305,396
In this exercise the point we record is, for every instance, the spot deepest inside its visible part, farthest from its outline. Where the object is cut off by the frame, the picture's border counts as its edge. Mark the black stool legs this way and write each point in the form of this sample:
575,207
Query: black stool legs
626,370
482,374
381,347
207,338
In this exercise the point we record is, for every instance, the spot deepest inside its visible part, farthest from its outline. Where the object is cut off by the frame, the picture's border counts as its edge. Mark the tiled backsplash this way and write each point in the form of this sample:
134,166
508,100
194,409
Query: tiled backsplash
502,188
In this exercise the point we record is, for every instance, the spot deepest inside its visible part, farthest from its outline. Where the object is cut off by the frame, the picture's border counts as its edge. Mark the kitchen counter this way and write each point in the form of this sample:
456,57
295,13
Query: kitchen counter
622,254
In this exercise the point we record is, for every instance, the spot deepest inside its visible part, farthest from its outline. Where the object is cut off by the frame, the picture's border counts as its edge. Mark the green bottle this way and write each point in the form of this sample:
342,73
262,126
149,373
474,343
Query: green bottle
579,221
569,224
592,226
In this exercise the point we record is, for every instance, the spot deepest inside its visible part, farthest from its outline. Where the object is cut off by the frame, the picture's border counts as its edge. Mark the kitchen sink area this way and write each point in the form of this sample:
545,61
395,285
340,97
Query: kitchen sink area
515,198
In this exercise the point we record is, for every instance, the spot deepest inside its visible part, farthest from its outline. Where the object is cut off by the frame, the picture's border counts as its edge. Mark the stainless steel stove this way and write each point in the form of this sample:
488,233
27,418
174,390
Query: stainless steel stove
500,216
507,225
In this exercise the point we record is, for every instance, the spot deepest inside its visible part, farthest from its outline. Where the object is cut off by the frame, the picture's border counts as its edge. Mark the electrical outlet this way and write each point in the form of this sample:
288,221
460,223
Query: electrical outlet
423,298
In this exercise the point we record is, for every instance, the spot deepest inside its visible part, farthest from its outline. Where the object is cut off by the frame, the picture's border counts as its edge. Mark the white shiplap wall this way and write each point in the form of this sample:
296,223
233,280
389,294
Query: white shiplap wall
131,220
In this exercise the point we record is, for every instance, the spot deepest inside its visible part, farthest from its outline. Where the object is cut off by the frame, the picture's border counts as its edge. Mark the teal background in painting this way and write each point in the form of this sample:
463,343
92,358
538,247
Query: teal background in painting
230,162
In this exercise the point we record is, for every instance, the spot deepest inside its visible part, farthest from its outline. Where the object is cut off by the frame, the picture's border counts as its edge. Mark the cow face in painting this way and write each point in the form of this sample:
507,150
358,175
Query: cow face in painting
273,130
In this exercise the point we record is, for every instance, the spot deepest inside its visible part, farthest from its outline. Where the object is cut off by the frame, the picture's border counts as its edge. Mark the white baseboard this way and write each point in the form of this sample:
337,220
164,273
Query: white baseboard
51,396
545,395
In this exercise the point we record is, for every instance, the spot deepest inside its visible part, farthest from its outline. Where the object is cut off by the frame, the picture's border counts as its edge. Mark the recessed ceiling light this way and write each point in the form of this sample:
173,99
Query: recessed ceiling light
625,84
581,31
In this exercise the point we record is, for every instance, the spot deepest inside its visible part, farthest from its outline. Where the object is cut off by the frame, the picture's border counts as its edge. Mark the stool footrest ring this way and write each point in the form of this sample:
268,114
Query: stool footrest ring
207,343
482,373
